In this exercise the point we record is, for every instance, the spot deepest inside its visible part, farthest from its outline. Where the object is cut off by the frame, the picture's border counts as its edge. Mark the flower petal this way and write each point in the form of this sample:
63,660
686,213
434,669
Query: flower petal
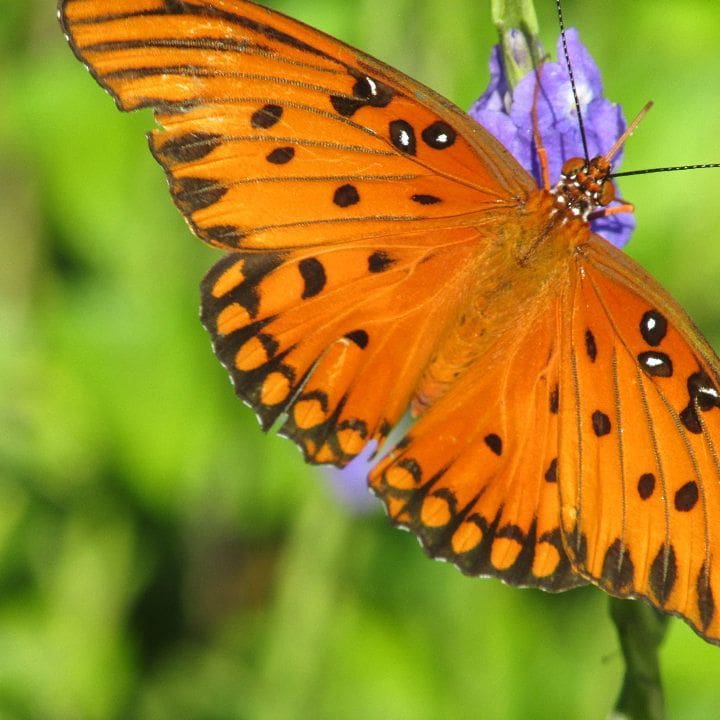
508,115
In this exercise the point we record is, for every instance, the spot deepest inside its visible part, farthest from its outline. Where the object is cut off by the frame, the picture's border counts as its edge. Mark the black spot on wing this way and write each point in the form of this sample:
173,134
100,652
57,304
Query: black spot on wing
551,472
439,135
379,261
313,275
266,116
188,148
653,327
494,442
646,485
655,364
346,195
554,400
425,199
359,337
402,136
600,423
663,573
194,193
690,420
706,601
702,390
618,570
281,155
366,92
346,106
590,345
686,497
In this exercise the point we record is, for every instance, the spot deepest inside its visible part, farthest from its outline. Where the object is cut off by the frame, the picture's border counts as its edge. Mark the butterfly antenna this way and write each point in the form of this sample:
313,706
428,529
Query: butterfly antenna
581,125
629,130
666,169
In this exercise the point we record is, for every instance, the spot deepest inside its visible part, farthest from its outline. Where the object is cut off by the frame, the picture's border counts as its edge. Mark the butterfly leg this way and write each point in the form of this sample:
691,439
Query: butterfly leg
625,207
537,138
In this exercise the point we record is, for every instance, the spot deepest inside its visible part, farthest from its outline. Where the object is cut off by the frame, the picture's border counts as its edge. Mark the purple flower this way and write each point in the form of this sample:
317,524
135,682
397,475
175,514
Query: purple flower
350,485
507,114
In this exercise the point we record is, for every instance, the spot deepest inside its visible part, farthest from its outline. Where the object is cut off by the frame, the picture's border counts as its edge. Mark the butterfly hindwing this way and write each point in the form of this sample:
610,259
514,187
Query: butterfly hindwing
640,421
476,477
335,338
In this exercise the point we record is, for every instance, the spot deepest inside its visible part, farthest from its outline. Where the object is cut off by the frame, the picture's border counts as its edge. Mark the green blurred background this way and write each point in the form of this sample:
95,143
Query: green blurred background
159,557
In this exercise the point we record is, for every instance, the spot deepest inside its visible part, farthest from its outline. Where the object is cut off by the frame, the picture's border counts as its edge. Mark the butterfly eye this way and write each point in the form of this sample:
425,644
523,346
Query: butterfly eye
607,194
572,167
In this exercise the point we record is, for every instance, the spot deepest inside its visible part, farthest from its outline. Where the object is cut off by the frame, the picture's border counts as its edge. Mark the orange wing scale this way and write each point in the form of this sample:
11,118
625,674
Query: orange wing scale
387,252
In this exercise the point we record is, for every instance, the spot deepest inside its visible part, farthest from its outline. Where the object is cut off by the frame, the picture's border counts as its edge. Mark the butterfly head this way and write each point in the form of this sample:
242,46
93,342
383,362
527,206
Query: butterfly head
584,187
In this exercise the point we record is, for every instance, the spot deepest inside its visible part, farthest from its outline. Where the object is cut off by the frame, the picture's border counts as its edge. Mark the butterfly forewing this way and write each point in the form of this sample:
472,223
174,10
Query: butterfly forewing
277,135
640,429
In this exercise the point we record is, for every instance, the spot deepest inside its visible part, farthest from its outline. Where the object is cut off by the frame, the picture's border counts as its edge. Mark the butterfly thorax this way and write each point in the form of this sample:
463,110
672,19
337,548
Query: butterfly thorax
502,292
585,187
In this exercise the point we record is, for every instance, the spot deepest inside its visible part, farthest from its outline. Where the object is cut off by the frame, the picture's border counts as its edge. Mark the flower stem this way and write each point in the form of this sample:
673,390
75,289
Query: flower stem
641,630
517,26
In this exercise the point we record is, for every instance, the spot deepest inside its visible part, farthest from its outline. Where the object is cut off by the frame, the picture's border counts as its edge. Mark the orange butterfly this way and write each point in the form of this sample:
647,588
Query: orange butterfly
385,251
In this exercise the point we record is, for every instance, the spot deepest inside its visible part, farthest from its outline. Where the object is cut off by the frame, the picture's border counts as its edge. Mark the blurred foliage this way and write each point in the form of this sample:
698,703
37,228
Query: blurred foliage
159,557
